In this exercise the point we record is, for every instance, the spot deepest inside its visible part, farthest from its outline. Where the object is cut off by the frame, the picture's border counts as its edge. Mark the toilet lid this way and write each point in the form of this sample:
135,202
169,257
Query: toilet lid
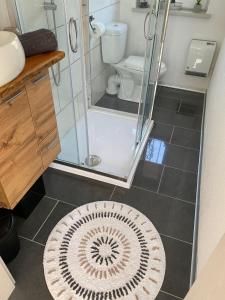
135,63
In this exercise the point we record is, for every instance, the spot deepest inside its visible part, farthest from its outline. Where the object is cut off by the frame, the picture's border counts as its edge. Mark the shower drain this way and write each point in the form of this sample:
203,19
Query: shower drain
93,161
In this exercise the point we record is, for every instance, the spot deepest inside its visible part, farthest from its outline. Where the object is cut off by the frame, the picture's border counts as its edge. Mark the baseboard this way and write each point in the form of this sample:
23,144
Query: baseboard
194,261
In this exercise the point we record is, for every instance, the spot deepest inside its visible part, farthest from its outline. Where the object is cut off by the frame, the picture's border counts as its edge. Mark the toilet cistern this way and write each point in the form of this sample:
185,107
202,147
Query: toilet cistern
127,80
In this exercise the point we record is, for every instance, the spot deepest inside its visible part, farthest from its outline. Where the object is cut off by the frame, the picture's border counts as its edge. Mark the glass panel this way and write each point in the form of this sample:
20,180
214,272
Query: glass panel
112,129
155,28
66,78
113,86
114,68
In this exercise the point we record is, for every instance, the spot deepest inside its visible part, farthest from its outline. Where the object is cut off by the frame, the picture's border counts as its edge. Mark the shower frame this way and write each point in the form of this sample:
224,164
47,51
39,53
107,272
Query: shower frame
93,174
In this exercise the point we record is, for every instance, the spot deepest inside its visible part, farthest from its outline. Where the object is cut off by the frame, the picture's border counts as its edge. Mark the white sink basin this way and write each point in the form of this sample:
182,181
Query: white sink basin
12,57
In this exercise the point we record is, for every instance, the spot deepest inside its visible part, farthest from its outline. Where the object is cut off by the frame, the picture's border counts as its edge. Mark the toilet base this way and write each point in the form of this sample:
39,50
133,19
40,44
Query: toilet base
127,83
124,88
113,85
133,95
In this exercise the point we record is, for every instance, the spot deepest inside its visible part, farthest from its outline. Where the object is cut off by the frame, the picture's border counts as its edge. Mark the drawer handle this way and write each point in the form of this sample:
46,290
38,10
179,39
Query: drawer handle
13,98
39,78
53,143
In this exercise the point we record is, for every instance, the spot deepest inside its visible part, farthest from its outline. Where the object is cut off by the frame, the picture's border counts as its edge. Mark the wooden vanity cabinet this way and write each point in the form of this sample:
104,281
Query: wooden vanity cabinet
41,103
29,139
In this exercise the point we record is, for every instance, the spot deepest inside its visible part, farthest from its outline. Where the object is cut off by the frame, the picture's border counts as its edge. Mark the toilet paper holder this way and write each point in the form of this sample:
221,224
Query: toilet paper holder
91,19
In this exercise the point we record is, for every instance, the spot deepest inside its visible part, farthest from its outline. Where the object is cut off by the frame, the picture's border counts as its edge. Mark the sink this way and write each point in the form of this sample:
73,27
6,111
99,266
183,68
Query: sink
12,57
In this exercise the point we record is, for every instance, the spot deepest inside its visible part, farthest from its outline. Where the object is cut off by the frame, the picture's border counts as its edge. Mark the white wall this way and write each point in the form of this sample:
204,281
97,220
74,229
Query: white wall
210,283
7,282
135,20
180,32
4,16
191,3
212,210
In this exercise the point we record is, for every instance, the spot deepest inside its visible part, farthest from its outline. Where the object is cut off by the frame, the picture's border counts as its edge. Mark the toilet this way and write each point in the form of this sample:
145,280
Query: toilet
127,82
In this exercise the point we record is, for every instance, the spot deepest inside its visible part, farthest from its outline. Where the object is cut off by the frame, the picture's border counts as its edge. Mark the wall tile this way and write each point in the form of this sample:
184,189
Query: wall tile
105,16
63,45
79,106
33,16
59,15
65,89
100,4
72,9
98,87
77,77
55,97
97,65
81,128
103,11
65,120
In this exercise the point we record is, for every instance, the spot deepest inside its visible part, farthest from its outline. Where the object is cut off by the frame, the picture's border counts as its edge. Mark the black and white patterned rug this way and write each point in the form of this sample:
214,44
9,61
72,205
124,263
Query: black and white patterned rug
104,251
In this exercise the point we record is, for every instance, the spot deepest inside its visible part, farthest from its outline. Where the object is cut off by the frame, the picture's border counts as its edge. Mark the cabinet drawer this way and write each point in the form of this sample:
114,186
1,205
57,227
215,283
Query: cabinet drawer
16,123
50,148
19,173
42,107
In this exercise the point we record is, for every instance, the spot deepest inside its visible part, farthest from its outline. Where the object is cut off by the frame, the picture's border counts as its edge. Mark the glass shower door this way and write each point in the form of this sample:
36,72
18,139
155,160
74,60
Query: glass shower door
154,31
64,19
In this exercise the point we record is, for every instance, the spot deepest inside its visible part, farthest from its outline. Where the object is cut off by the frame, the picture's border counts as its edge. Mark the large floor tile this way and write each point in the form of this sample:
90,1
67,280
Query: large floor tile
184,95
113,102
178,267
179,184
182,158
27,270
190,109
190,95
165,296
75,190
162,132
186,138
29,227
57,214
164,91
168,102
157,151
148,175
177,119
171,217
192,103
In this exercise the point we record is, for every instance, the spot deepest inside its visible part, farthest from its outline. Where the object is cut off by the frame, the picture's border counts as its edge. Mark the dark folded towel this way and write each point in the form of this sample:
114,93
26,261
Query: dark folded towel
38,42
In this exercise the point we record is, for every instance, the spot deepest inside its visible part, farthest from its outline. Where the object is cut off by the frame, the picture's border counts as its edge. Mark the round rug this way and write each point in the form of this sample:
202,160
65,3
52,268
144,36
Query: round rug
104,251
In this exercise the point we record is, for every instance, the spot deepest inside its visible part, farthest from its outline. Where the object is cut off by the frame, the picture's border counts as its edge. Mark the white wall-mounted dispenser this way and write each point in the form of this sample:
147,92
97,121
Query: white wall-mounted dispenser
200,57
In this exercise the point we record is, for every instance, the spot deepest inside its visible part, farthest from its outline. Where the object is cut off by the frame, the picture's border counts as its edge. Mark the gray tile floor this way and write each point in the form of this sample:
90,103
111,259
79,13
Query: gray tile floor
112,102
164,189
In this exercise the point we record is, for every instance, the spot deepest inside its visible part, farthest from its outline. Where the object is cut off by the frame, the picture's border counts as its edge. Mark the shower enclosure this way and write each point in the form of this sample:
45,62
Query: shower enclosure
98,140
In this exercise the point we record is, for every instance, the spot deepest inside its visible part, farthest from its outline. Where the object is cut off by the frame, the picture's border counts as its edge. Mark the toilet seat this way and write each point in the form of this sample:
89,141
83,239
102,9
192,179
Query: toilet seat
135,63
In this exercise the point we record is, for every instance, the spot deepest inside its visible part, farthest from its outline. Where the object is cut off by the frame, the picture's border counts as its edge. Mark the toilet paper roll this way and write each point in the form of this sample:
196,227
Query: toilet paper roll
99,29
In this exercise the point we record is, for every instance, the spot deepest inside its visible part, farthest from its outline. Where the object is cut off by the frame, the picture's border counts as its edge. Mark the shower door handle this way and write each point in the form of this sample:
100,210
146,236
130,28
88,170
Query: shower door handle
73,25
146,35
145,23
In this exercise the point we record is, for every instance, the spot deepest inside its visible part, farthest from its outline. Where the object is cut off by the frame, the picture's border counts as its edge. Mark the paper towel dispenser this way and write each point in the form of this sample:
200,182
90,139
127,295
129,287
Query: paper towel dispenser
200,57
